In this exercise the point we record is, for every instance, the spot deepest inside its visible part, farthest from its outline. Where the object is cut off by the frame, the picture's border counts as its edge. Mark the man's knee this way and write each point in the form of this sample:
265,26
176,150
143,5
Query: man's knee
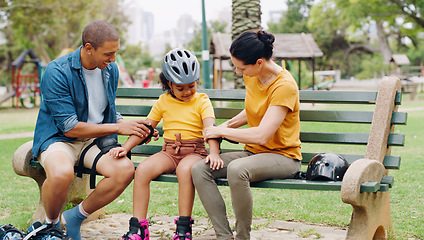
59,173
125,168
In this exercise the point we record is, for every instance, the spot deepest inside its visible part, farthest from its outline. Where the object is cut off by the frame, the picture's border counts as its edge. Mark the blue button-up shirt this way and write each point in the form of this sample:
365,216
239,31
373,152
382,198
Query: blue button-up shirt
65,100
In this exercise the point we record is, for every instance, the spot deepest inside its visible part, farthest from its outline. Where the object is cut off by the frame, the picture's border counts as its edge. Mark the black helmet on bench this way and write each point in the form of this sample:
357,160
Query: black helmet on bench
327,167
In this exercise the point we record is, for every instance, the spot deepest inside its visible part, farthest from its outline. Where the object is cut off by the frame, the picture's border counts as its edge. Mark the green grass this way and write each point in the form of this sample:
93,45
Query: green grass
17,120
19,195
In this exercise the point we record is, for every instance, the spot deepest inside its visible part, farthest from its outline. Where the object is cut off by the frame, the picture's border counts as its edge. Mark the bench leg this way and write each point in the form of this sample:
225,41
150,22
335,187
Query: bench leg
372,220
78,190
371,211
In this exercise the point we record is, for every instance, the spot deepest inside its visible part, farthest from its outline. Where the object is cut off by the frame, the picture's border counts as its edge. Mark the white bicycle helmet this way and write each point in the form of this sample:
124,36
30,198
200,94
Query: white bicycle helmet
180,66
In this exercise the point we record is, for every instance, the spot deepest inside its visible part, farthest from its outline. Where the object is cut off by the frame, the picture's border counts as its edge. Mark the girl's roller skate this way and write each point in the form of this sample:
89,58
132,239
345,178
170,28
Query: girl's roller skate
139,230
183,231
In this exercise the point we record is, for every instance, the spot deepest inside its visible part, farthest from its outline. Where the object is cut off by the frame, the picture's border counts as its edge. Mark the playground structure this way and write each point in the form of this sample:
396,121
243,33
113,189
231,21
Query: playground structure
25,86
326,79
287,47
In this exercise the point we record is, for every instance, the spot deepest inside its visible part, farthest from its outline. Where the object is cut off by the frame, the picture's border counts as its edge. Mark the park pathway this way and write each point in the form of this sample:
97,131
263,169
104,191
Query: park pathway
113,226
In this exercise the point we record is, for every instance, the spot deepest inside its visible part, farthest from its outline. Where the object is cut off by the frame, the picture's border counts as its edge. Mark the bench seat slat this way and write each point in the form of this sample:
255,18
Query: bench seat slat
386,183
290,184
275,183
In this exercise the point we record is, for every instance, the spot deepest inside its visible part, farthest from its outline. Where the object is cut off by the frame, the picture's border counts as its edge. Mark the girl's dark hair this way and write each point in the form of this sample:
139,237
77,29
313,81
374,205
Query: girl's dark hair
251,46
164,82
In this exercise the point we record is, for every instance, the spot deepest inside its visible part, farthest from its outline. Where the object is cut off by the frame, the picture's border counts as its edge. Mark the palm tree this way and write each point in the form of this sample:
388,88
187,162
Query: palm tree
246,15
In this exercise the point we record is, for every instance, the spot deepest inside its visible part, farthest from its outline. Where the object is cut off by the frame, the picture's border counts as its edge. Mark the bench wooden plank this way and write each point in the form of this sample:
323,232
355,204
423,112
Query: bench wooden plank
370,187
297,184
346,116
342,97
386,183
306,96
394,139
390,162
305,115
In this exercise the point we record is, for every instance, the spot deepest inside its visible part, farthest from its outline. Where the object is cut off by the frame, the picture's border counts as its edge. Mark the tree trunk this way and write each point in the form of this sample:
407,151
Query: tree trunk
384,44
246,15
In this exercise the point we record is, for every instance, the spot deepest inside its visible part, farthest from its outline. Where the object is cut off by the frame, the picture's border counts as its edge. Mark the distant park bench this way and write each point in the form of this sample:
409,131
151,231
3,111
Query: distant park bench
365,185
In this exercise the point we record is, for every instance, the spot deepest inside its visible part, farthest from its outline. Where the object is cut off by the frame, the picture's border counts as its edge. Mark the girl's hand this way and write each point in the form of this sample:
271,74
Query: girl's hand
156,135
118,152
215,161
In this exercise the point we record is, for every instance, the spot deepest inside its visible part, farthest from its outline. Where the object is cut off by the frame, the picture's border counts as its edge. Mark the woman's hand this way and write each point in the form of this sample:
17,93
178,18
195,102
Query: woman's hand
211,132
214,161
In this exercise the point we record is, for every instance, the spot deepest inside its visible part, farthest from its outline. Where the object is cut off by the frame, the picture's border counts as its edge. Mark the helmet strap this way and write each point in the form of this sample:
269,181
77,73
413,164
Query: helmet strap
172,91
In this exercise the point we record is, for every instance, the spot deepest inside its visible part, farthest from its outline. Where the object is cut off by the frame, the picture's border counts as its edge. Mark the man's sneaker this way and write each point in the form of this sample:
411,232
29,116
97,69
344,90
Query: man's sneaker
139,230
9,232
183,231
39,231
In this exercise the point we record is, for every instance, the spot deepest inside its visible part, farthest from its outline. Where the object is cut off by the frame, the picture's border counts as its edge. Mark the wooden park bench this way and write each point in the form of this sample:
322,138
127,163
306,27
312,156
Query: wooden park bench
365,185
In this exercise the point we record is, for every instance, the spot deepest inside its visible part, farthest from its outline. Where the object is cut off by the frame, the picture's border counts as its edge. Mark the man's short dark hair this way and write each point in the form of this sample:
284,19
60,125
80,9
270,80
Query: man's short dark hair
98,32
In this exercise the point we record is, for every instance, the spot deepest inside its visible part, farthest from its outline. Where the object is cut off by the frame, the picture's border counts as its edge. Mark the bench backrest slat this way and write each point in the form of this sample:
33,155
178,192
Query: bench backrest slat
305,115
347,138
346,116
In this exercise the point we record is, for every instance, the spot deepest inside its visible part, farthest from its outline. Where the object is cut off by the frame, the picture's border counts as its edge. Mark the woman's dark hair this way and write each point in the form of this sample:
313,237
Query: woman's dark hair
164,82
251,46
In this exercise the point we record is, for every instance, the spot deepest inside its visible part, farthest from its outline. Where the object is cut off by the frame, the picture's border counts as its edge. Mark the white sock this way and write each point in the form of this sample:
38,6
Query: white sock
82,211
54,221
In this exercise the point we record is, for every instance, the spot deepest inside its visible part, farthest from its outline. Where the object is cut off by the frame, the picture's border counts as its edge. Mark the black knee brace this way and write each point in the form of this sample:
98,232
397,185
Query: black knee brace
104,144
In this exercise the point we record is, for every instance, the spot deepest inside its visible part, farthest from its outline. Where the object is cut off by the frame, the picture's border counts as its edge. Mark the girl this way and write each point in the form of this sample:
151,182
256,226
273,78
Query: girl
272,114
185,113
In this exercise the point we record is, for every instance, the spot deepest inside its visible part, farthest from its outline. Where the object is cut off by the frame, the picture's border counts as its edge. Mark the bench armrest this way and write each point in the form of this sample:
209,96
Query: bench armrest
363,174
21,162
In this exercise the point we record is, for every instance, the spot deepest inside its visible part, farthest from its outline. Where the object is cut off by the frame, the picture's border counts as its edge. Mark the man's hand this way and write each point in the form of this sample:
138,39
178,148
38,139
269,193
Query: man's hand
135,127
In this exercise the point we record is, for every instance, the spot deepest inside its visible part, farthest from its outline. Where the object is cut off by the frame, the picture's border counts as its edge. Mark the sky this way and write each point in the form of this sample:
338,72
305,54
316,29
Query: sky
167,12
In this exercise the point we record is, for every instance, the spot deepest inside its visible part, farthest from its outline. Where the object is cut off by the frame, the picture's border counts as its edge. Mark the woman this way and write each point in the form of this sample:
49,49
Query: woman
272,145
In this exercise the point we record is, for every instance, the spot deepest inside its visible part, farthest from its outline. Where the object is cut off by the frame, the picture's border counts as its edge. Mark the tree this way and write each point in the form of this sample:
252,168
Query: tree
136,58
294,20
413,9
246,15
48,26
213,27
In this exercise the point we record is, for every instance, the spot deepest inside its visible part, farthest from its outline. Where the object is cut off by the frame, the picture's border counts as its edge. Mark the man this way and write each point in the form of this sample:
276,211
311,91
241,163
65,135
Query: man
79,91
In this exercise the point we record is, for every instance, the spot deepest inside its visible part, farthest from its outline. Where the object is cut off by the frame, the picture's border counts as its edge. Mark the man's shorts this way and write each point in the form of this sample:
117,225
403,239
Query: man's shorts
179,149
74,150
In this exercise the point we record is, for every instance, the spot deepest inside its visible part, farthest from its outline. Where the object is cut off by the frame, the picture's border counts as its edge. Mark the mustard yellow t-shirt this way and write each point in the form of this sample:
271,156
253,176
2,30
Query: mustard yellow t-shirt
182,117
282,91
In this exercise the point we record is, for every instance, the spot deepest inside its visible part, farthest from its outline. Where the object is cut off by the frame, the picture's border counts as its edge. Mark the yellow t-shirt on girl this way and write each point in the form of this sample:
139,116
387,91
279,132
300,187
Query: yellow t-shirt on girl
182,117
